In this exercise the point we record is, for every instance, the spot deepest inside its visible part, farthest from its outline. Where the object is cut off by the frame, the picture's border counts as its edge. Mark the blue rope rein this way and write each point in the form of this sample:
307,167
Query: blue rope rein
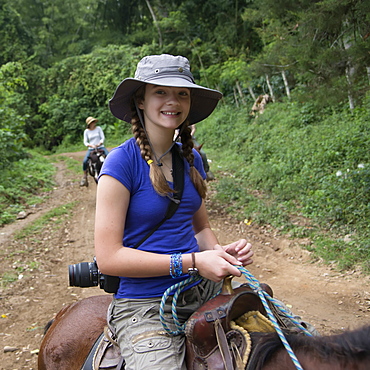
178,288
255,286
264,296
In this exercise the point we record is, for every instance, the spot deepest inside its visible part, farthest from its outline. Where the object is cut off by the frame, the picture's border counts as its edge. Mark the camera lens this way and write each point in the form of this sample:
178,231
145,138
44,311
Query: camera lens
87,274
83,274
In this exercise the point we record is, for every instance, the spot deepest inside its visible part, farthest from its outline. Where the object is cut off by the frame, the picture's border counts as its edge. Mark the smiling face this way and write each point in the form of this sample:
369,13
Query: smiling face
165,107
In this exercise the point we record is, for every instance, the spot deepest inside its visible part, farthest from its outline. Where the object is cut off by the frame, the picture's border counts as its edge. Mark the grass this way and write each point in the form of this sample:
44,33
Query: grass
8,278
72,164
24,185
42,222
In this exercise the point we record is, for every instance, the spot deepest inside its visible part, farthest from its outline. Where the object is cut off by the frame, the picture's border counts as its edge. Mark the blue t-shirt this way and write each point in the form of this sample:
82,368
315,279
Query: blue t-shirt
146,210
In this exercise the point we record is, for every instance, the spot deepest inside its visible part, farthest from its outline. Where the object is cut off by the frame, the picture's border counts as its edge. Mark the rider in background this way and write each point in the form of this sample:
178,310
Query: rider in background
93,138
134,190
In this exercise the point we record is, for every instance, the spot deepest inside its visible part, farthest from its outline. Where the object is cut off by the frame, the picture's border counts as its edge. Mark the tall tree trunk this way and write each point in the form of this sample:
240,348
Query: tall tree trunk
160,42
349,74
236,97
350,69
287,90
240,91
368,73
251,92
270,87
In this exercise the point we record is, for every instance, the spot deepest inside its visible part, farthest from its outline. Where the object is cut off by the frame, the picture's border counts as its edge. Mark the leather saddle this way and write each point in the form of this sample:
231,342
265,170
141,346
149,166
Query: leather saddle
213,341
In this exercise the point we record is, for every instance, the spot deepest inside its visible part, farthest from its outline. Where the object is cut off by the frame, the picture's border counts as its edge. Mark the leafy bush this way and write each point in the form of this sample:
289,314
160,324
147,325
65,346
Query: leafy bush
79,87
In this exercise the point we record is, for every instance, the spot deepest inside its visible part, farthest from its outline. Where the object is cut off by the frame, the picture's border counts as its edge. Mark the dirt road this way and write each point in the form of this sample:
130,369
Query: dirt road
330,300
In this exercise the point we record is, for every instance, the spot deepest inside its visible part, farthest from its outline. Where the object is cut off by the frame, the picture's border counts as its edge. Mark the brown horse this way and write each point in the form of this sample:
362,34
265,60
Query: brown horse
72,333
347,351
76,327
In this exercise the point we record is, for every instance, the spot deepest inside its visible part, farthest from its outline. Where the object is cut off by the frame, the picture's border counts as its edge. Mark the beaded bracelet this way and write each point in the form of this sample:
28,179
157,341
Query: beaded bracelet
176,265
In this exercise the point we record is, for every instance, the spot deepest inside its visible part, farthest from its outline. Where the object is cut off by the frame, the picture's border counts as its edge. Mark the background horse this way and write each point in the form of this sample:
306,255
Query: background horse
76,327
95,162
347,351
209,173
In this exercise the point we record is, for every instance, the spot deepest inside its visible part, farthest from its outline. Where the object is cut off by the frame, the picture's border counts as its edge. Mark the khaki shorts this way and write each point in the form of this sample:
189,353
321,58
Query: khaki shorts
143,342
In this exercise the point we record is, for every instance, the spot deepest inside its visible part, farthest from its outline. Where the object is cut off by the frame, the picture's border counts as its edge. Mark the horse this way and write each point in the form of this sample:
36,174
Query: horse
349,350
75,329
95,163
72,333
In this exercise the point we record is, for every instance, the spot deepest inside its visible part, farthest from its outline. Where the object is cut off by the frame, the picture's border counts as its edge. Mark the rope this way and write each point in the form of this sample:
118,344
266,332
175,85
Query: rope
178,288
255,286
264,296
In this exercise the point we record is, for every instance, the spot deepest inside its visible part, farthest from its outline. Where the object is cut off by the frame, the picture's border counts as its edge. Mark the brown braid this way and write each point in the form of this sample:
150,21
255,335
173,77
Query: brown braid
195,176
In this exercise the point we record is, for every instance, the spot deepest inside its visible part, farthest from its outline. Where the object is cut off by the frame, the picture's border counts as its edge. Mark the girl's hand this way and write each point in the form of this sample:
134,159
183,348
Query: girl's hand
216,264
241,250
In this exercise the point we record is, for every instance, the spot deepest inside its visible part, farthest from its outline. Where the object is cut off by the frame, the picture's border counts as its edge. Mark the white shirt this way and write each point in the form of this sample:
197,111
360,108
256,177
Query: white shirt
94,137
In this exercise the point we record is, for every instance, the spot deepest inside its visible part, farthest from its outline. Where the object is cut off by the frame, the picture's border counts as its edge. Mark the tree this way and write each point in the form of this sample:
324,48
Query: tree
78,87
12,86
15,39
316,41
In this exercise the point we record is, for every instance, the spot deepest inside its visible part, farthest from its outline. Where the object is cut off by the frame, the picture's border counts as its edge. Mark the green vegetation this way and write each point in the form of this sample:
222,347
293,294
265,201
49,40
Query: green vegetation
24,184
279,169
8,278
302,166
42,222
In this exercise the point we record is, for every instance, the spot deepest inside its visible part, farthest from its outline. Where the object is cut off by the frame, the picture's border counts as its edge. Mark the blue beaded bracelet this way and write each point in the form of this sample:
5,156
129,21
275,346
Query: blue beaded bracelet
176,265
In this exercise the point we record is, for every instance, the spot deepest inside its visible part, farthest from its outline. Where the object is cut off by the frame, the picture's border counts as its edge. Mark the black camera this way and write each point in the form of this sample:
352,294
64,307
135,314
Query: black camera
87,274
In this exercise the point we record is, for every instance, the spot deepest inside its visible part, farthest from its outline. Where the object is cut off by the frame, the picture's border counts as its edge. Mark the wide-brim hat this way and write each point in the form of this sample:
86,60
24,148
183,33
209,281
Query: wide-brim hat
164,70
90,120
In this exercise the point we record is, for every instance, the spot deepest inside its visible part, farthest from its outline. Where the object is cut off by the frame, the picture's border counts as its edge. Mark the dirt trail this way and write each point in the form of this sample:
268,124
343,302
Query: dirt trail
330,300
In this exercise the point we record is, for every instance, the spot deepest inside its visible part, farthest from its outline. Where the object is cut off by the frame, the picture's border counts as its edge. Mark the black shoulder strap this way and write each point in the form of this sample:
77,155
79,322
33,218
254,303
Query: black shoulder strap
178,182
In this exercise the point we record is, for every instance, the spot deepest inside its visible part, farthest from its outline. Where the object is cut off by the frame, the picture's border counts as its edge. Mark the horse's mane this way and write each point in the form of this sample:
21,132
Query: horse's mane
345,348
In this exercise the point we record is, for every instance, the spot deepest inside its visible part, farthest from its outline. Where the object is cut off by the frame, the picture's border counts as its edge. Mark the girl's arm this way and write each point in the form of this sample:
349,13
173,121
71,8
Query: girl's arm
203,233
86,138
102,137
112,257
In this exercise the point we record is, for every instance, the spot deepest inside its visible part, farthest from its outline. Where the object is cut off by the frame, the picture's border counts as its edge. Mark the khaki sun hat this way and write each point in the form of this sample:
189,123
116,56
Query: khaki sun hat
90,120
164,70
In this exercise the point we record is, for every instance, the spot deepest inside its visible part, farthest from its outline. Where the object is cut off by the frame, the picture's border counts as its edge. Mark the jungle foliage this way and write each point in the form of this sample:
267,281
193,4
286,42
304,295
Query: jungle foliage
60,62
307,179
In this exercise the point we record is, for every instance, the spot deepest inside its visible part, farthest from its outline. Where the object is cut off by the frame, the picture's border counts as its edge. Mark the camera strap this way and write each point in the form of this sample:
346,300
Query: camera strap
178,170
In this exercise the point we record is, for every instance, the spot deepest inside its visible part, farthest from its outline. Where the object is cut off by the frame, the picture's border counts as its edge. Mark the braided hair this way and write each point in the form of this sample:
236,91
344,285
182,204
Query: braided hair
157,177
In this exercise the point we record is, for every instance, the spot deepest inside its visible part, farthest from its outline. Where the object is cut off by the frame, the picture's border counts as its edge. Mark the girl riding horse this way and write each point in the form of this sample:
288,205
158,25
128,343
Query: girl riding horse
134,190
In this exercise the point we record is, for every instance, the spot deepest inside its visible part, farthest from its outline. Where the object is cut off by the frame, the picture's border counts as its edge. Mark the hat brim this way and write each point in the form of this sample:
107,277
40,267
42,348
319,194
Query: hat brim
203,100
